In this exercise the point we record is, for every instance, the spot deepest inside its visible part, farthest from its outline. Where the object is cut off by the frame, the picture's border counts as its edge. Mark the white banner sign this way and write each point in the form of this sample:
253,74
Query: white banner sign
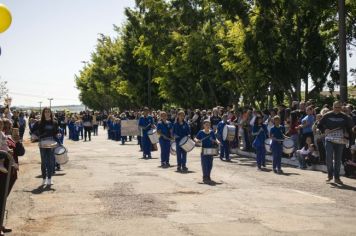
129,128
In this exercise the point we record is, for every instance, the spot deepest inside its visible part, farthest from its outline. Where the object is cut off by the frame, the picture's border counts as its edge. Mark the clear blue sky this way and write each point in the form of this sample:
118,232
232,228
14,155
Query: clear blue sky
46,43
48,40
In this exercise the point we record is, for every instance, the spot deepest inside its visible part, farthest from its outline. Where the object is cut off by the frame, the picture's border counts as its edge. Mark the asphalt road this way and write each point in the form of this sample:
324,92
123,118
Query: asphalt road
107,189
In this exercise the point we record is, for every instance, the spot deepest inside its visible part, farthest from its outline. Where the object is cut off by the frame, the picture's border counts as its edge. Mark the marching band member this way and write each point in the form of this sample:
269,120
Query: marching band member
76,131
260,132
208,140
71,125
277,136
47,127
224,144
164,129
117,129
215,119
88,125
123,138
180,130
146,123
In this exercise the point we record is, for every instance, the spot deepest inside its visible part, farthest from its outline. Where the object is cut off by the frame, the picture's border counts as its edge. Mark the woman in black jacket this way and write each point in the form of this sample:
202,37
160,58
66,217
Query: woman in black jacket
47,130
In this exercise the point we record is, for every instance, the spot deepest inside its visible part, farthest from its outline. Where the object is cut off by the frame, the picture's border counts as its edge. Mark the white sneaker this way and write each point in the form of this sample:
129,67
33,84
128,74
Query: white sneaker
44,181
49,182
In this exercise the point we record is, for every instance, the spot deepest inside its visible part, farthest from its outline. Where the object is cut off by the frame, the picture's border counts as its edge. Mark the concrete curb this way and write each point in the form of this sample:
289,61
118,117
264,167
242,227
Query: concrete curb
289,162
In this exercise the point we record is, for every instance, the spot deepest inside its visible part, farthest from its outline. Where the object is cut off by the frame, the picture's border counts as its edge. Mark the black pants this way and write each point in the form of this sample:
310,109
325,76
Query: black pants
87,132
64,127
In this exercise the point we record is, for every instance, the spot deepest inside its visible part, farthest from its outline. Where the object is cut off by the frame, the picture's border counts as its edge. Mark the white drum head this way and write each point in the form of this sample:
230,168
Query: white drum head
225,131
60,150
183,141
288,143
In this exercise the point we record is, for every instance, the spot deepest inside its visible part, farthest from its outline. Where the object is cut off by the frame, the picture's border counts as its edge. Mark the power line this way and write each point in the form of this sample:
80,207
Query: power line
39,96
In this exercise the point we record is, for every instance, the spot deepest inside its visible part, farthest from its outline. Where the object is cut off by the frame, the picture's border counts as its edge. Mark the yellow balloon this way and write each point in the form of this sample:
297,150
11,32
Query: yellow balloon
5,18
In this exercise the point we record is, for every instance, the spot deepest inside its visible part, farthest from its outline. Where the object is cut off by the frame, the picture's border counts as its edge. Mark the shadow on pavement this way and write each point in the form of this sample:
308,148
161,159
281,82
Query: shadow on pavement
343,187
41,189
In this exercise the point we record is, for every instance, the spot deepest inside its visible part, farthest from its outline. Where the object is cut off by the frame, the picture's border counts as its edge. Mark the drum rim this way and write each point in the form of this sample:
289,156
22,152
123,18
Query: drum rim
65,150
184,138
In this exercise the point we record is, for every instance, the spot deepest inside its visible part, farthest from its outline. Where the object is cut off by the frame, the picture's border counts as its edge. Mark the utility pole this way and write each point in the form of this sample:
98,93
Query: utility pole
50,103
40,106
342,52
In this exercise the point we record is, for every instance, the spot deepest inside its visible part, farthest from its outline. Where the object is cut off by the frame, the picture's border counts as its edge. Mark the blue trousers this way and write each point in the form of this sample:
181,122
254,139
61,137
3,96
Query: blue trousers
206,164
146,145
333,152
261,156
123,139
225,150
277,150
165,150
47,162
181,156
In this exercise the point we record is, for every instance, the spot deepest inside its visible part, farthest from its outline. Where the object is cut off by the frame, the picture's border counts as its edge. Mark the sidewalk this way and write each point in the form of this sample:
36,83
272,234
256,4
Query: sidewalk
289,162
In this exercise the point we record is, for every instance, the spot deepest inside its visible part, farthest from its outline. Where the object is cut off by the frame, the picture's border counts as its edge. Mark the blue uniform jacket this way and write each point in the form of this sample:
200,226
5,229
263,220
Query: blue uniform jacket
145,124
180,130
165,129
207,138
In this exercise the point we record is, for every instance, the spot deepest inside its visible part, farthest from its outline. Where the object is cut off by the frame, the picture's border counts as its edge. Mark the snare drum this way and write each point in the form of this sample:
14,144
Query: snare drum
288,146
153,136
210,151
229,133
268,143
173,149
61,155
187,144
48,143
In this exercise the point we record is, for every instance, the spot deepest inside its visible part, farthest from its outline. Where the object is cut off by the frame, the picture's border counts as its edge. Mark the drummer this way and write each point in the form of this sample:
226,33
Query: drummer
208,140
260,132
146,123
47,127
277,136
224,144
180,130
164,129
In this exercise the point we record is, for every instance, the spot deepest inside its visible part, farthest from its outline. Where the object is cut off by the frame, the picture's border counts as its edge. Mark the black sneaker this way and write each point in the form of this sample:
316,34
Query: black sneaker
221,158
329,179
280,171
338,181
185,169
168,165
275,171
179,169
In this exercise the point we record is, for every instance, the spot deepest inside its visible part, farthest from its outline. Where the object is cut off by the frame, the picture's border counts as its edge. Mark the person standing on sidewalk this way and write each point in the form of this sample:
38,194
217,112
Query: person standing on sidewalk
336,125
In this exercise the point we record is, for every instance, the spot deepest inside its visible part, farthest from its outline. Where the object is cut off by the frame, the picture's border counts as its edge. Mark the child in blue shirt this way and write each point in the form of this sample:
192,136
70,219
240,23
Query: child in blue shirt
208,140
260,132
277,136
164,129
